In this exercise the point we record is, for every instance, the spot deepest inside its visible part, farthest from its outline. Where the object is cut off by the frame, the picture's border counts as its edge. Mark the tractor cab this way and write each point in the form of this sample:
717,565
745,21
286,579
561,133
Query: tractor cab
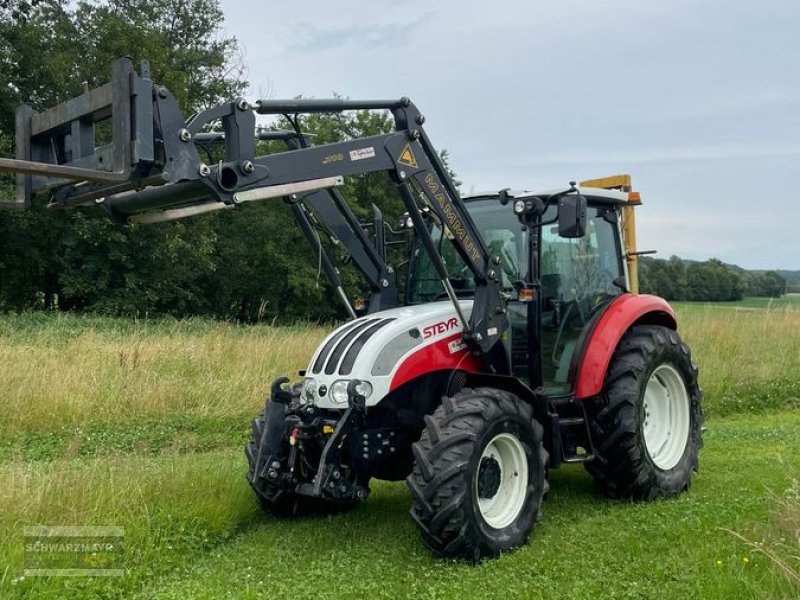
576,277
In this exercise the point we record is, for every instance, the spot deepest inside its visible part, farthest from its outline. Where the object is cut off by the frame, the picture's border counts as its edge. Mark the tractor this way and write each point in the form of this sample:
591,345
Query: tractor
514,341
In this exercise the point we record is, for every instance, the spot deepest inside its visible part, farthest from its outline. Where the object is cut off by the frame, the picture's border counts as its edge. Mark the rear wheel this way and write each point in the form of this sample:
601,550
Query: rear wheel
479,475
646,425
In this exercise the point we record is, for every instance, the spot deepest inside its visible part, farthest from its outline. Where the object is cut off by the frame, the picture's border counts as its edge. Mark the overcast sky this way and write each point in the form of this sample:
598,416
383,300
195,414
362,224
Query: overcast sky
698,99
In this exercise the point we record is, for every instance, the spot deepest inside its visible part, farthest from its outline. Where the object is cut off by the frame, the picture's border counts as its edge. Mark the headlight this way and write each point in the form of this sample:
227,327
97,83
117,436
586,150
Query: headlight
339,391
519,207
364,388
309,389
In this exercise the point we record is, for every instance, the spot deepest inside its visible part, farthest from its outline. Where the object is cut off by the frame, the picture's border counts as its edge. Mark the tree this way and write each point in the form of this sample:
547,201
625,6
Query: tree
82,260
711,280
664,278
768,283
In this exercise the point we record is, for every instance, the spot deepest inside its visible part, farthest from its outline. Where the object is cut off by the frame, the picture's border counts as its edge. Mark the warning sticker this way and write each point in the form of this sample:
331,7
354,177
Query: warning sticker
456,346
362,153
407,157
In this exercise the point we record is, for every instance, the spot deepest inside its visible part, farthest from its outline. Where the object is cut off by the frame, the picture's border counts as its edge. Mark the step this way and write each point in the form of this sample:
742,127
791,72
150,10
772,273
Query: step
578,458
571,421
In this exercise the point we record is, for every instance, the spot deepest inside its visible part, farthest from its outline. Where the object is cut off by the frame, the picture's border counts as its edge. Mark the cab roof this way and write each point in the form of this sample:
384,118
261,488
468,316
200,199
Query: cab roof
599,195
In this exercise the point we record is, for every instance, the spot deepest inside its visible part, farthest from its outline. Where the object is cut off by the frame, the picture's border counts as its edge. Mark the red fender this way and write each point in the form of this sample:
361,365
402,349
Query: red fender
620,315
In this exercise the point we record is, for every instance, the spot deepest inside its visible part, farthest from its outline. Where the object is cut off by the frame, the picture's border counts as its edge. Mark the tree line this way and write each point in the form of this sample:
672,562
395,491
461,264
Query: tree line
711,280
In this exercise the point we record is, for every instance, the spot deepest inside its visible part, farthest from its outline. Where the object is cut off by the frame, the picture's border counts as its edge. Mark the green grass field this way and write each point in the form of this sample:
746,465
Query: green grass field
787,300
141,425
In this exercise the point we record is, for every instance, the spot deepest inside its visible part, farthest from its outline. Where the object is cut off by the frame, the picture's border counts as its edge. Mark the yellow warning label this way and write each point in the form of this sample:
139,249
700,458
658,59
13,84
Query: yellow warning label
407,157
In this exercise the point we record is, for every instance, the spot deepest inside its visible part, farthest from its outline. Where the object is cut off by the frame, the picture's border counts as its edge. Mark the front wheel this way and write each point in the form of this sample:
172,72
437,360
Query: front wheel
646,425
479,475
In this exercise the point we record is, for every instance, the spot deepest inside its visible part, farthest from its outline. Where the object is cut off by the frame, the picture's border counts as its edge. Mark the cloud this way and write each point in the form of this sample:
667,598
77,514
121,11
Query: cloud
310,38
698,99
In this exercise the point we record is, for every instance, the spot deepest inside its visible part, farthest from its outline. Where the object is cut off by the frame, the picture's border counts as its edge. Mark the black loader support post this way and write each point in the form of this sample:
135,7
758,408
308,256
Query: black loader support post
152,171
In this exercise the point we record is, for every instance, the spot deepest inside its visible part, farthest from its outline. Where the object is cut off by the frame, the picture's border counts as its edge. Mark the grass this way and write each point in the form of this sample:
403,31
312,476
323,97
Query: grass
749,359
171,507
141,424
791,300
64,370
192,530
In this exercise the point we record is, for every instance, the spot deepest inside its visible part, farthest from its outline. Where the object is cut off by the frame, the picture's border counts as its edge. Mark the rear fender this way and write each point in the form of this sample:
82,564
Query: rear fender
623,313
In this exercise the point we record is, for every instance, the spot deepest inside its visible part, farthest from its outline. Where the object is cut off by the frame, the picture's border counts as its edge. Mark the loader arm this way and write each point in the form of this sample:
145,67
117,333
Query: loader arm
151,171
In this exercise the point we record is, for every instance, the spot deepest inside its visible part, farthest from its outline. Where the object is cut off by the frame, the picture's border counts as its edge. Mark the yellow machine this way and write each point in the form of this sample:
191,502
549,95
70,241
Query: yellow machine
623,184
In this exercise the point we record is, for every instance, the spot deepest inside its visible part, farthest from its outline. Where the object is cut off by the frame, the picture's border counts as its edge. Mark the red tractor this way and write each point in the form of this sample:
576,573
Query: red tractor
507,342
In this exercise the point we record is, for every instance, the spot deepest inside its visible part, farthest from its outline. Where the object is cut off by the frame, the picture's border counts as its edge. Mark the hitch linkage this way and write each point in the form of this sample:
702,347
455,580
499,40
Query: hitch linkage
291,433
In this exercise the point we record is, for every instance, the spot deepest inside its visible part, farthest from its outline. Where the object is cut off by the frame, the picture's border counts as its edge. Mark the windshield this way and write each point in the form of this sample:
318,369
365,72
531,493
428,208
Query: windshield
504,237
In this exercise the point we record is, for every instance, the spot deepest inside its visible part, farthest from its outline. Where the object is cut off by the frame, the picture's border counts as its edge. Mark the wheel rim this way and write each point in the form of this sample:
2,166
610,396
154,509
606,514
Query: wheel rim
501,481
665,417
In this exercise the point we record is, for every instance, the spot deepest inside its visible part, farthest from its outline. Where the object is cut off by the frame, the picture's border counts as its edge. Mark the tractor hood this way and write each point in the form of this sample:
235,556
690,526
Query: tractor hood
386,349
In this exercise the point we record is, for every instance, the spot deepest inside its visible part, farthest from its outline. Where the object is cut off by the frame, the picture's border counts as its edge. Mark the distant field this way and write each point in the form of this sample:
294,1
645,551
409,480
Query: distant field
61,370
141,425
787,300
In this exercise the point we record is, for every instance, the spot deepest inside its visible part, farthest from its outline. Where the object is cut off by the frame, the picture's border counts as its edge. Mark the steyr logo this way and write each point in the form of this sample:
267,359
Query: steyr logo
440,327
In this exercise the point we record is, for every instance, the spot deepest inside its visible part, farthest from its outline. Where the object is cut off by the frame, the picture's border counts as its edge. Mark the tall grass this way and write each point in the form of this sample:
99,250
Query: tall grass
66,370
749,358
62,370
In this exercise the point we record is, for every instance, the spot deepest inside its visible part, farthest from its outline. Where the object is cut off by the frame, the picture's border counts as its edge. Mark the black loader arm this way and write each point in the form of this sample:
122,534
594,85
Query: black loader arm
152,170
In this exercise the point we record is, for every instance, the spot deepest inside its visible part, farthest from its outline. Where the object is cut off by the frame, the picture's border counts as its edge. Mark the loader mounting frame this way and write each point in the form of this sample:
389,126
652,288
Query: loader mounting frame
152,171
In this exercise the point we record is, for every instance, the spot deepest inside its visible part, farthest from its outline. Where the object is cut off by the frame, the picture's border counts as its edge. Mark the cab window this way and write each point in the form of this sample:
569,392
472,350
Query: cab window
504,237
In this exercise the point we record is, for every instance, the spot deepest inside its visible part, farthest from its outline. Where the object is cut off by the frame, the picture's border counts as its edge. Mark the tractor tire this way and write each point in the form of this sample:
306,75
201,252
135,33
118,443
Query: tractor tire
479,475
276,501
646,425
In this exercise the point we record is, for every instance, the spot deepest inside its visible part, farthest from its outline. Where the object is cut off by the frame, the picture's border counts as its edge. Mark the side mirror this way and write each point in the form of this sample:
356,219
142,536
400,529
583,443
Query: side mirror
572,216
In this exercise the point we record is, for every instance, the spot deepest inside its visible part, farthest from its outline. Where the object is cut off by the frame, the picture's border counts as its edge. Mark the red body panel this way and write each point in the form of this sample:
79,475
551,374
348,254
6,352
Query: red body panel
436,357
616,320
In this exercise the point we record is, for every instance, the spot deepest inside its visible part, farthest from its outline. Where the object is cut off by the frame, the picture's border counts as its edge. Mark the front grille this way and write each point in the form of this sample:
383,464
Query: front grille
352,353
330,366
329,345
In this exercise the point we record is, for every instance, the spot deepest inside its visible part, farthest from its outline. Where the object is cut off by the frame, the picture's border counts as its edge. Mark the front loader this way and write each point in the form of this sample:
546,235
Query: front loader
512,345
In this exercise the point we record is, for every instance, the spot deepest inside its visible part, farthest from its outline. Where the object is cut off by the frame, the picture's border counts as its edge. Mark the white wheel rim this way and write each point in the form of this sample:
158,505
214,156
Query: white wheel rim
665,417
503,506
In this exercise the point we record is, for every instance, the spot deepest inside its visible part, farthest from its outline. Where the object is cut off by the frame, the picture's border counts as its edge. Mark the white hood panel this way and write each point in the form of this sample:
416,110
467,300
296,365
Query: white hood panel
372,348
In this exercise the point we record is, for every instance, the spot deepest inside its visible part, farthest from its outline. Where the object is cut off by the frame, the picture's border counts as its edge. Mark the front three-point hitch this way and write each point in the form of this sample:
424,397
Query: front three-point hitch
306,450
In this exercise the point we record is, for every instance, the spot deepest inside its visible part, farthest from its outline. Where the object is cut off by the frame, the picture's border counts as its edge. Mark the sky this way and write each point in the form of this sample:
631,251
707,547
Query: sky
699,100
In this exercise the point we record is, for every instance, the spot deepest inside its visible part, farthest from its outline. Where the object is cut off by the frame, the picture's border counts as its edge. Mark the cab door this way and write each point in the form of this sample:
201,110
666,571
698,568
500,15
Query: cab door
579,277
